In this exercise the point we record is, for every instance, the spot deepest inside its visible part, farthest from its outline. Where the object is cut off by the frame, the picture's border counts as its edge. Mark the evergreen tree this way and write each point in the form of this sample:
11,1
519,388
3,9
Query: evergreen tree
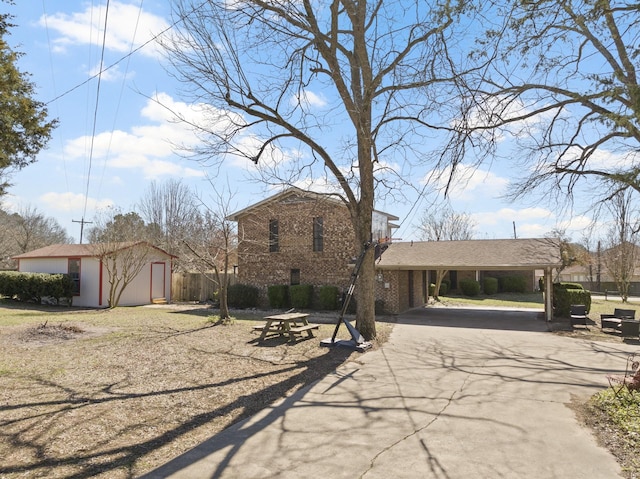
24,127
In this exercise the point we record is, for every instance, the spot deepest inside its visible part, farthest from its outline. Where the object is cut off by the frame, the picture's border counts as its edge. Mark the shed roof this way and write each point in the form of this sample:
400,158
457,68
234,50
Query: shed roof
496,254
75,250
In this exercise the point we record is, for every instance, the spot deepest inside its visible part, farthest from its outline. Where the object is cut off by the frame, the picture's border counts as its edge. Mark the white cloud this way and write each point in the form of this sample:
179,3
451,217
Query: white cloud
71,202
113,74
469,182
128,27
308,99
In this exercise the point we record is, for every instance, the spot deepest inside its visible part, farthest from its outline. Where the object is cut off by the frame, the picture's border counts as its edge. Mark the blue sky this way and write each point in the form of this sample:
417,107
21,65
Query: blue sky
113,139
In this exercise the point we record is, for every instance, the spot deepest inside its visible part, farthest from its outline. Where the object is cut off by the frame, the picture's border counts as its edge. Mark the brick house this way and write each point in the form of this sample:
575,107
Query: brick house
299,237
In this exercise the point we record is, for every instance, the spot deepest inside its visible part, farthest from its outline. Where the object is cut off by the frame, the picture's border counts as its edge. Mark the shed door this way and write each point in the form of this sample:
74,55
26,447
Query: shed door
157,280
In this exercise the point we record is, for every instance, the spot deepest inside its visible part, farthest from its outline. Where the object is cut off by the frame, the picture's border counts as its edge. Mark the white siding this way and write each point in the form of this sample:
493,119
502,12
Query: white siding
137,293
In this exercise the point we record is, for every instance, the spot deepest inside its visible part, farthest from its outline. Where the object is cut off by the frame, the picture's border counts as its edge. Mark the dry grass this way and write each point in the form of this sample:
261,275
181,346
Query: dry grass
117,393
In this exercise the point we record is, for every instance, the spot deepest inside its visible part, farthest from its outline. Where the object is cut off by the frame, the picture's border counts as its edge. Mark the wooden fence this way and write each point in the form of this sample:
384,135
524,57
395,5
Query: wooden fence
194,287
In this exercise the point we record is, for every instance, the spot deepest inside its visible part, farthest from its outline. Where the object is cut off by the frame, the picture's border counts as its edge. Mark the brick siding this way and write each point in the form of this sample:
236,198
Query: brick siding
259,267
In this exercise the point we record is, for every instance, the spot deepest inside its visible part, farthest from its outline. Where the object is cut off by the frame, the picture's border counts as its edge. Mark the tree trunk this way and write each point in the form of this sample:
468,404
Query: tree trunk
224,307
440,274
365,288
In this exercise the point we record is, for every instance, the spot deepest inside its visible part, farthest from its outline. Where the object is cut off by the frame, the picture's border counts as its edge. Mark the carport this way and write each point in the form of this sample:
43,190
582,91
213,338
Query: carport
472,255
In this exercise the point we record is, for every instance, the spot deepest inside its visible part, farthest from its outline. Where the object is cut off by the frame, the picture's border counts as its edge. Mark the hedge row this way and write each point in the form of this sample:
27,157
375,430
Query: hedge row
36,286
300,296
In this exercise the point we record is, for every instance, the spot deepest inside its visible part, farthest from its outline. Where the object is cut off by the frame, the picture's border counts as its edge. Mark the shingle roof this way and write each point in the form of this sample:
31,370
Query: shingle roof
73,250
501,254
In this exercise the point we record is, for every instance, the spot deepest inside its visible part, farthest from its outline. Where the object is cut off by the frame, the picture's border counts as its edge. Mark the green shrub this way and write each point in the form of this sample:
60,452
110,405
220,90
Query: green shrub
301,295
278,296
36,286
566,294
512,284
444,288
490,286
242,296
470,287
328,297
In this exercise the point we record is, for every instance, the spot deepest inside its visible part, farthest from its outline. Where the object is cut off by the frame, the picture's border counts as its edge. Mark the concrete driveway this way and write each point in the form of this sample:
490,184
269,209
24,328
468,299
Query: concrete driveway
455,393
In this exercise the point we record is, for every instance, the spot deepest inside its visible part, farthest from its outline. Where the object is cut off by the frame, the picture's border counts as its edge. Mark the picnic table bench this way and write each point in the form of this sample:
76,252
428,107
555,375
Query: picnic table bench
286,324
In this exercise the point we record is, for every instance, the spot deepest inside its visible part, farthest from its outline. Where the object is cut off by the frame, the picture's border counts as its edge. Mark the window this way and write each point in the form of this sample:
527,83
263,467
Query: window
73,270
318,234
295,276
273,236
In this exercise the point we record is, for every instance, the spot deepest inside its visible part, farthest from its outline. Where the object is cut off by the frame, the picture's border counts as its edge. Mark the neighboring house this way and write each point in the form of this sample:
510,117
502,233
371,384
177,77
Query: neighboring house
599,282
300,237
152,284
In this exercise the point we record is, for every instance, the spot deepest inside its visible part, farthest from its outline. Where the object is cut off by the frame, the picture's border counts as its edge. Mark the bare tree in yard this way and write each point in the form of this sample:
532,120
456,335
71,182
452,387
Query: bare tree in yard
621,254
328,91
170,211
445,225
26,230
565,83
120,241
212,245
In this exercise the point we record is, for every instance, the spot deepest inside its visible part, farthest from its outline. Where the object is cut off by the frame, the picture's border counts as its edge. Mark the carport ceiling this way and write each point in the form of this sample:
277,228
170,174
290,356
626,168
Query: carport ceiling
501,254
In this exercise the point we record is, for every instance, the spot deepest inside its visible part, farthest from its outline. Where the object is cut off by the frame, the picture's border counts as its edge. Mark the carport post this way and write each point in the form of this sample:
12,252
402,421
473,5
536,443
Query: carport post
548,295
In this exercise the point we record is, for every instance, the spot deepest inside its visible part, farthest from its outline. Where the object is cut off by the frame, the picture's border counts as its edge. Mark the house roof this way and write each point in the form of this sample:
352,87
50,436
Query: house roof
75,250
499,254
295,191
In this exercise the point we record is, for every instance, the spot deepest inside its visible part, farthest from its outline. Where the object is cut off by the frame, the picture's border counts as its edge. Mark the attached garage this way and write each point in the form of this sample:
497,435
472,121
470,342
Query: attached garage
405,270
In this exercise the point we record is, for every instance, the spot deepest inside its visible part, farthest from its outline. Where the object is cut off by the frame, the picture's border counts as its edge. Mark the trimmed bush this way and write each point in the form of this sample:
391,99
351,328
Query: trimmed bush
470,287
444,288
301,295
566,294
36,286
278,296
490,286
242,296
328,296
513,284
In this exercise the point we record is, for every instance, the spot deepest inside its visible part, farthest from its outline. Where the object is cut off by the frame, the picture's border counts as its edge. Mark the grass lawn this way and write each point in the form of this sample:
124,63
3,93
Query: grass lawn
116,393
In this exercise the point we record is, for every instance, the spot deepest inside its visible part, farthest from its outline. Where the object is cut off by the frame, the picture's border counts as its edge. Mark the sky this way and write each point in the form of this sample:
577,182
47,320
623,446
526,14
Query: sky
113,139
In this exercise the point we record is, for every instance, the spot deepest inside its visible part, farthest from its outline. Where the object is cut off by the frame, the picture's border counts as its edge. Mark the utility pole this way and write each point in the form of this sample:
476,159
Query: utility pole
515,236
82,223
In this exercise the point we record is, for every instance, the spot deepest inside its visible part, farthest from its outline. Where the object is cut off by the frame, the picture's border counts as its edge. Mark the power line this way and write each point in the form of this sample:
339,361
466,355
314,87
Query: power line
95,111
120,60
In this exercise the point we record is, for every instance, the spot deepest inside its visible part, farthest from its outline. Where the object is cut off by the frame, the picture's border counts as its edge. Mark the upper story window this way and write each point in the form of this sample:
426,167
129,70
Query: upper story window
318,234
73,270
274,246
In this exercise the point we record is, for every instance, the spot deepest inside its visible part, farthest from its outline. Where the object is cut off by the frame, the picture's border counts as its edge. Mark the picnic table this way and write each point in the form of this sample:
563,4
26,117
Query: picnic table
285,324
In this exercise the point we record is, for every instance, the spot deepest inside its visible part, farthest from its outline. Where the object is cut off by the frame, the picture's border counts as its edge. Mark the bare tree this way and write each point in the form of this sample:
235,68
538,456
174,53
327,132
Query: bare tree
621,254
212,245
170,211
122,262
119,241
445,225
26,230
281,77
563,85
